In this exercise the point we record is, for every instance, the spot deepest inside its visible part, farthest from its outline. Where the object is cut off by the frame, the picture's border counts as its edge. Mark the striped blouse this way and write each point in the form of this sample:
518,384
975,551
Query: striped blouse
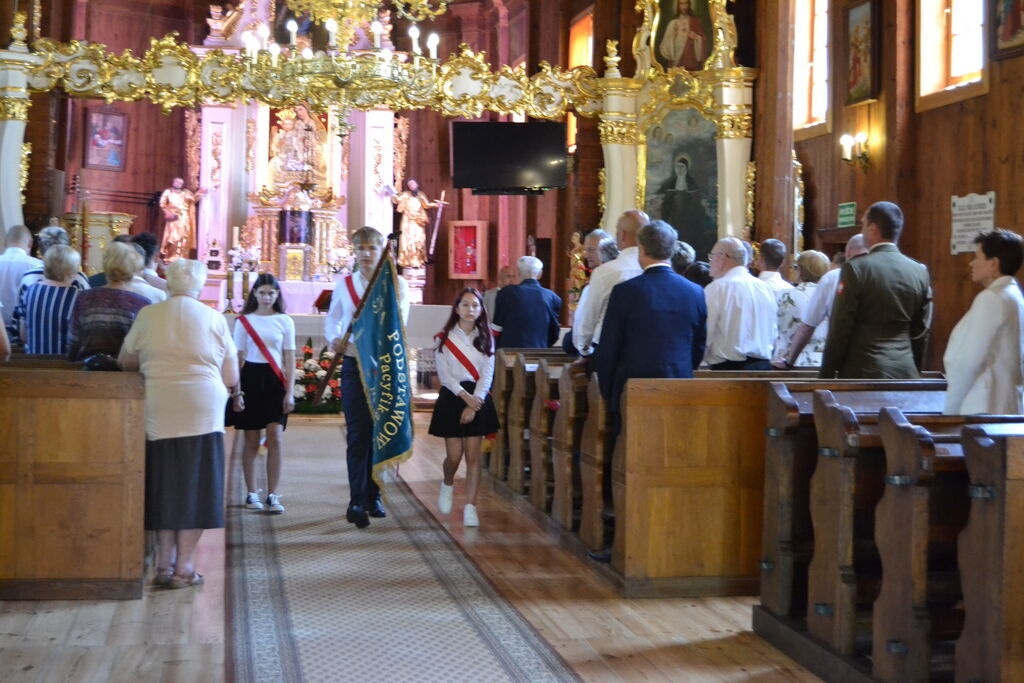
47,317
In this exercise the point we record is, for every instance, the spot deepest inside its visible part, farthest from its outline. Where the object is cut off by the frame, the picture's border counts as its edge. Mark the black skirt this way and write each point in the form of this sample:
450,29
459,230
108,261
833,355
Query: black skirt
185,482
448,410
264,399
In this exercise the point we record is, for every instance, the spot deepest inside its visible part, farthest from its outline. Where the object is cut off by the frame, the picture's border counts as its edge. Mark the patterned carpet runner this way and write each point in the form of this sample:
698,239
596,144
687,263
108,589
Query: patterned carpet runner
311,598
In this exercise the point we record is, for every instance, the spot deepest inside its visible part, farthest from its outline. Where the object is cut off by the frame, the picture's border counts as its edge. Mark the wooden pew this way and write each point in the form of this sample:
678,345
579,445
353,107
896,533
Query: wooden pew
595,454
991,557
520,402
542,415
501,390
845,571
71,484
566,434
791,455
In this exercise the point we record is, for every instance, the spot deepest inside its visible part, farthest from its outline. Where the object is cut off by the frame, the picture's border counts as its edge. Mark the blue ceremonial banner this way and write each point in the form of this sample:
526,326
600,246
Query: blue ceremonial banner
379,336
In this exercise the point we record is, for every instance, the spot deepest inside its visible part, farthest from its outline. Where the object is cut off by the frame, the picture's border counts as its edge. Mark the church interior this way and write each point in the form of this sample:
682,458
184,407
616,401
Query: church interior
743,526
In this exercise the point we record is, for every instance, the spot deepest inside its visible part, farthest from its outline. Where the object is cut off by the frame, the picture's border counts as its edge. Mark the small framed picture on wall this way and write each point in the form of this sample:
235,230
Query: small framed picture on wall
1006,22
862,52
467,250
105,136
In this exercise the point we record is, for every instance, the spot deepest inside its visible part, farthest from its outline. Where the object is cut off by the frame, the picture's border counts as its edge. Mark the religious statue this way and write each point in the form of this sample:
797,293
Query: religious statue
297,149
413,205
578,273
179,208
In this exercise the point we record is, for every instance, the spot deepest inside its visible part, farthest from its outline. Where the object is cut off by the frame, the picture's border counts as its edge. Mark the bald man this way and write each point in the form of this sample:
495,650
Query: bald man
14,263
586,330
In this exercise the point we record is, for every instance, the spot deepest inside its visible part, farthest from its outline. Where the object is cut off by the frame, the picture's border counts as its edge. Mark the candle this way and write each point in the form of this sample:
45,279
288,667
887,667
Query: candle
432,41
263,32
414,33
332,31
275,51
307,53
377,29
293,30
234,236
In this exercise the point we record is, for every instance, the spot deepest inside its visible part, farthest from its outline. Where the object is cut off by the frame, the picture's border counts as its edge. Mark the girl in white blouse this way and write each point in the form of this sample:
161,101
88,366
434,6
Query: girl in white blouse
263,398
464,412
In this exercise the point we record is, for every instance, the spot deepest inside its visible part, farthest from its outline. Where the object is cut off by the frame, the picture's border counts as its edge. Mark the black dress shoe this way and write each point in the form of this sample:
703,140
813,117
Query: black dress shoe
376,509
357,515
604,556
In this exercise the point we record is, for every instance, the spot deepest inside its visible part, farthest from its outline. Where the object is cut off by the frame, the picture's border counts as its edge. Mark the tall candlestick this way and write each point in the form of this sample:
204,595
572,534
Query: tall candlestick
245,285
230,294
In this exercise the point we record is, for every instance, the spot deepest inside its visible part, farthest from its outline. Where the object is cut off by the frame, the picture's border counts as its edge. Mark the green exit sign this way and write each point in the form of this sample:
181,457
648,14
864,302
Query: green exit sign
848,215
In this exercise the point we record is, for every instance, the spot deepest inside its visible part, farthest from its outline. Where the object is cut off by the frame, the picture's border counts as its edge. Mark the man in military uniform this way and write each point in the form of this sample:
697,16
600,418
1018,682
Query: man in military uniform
880,317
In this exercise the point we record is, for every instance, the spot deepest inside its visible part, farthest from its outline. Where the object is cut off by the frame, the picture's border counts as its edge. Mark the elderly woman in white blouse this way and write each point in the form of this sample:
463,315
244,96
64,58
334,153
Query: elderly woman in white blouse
983,359
464,412
810,265
186,354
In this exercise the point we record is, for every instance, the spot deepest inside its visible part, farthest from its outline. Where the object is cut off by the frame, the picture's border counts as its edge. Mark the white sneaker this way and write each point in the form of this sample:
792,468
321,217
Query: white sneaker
469,517
274,506
252,501
444,499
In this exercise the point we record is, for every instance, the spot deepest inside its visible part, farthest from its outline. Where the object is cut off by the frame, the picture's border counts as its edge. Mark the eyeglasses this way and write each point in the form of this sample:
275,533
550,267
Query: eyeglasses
717,253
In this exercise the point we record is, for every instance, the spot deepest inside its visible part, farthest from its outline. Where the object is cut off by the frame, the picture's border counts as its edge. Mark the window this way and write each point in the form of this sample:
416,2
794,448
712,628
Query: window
951,51
581,53
810,64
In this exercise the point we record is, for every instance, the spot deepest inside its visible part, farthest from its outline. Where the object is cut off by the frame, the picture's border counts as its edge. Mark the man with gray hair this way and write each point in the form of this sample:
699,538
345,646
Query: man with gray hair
526,314
13,264
742,312
47,237
586,329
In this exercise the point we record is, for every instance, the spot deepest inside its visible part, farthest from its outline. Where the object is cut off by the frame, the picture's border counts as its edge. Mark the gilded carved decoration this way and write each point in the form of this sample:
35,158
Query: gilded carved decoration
223,22
798,198
346,155
618,132
193,145
751,196
602,187
378,161
401,147
14,109
216,147
26,157
250,145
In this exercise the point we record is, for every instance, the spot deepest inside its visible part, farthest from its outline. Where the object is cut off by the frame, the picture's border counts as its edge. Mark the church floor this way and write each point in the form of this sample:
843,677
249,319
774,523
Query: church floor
179,635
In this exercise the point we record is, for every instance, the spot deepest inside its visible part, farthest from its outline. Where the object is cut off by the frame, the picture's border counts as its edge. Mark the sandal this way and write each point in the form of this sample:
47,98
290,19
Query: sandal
163,577
185,581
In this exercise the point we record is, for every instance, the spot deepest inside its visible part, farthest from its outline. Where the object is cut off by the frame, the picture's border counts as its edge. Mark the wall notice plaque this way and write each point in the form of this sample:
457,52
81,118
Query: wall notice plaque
971,214
847,215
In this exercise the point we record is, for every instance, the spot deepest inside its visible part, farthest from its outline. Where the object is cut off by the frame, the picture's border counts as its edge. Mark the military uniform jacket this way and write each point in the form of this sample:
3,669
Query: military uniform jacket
879,319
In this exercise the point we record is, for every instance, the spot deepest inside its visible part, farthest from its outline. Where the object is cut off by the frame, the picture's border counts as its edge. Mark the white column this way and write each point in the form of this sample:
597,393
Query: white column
14,105
371,169
619,138
734,98
222,174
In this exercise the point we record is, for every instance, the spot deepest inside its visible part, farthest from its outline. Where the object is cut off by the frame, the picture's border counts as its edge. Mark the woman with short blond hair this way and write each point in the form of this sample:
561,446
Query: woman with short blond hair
102,317
811,265
45,307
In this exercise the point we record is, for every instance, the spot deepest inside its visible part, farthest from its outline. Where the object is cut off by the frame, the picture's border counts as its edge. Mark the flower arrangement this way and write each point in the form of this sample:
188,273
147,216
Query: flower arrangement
310,369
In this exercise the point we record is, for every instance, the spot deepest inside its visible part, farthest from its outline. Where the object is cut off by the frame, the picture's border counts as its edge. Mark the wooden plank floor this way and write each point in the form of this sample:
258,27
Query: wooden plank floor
179,635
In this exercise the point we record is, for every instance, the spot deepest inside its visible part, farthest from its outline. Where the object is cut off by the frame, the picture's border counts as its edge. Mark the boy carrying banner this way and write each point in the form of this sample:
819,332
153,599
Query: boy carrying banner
374,371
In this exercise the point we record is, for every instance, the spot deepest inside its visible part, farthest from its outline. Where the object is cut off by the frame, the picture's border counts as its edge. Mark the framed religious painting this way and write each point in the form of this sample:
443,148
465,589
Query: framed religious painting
467,250
862,52
681,176
685,34
1006,28
105,135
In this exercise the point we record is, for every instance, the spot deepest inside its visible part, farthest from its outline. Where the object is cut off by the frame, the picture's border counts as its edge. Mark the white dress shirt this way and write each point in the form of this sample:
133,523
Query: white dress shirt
774,280
277,332
153,279
586,327
13,264
339,316
452,373
819,306
983,359
139,285
742,318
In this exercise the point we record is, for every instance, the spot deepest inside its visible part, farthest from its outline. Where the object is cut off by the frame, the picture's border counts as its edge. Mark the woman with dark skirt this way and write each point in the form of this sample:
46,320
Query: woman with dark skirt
184,350
464,412
265,338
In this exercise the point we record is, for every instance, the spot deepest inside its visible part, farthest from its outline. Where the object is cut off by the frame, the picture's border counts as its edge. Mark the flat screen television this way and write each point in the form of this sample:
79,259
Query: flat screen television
509,158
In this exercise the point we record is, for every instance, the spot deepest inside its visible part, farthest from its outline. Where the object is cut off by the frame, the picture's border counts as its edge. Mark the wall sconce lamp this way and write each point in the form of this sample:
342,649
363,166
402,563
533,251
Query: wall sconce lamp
855,150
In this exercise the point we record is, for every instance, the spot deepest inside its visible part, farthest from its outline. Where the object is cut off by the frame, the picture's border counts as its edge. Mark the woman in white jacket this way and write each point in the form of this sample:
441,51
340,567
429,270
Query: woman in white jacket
984,357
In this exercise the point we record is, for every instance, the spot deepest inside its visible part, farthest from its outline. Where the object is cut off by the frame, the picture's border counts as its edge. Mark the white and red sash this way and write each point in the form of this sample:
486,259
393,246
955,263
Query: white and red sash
461,357
350,284
263,349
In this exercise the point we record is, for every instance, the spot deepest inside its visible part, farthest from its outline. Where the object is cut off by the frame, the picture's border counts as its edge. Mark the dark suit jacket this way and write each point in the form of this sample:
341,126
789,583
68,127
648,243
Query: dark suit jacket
527,316
879,317
655,326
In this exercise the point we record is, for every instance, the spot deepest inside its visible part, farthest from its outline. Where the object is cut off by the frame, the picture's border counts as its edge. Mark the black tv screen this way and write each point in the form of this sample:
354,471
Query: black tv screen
508,158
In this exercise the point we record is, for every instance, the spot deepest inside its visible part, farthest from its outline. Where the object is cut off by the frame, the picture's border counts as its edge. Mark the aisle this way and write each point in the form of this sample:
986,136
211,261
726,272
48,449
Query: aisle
312,598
